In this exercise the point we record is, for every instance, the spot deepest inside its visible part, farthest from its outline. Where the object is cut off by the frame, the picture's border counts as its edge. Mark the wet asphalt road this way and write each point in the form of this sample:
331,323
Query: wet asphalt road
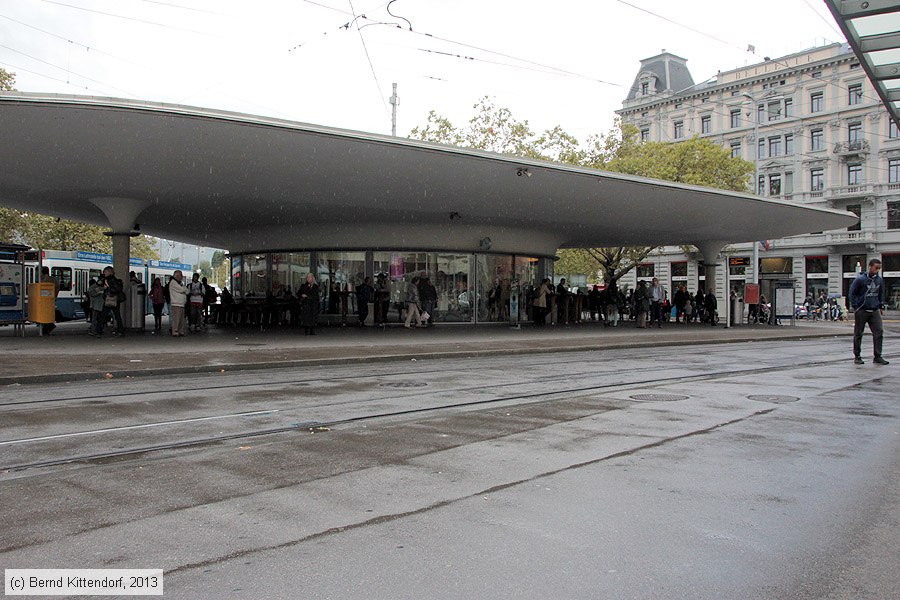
548,479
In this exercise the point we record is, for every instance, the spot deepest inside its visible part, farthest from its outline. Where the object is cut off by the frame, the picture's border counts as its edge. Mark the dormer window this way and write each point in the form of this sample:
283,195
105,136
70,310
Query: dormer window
645,88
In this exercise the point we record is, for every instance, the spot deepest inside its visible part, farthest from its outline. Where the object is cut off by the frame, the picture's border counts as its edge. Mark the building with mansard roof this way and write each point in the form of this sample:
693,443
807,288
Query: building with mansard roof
819,135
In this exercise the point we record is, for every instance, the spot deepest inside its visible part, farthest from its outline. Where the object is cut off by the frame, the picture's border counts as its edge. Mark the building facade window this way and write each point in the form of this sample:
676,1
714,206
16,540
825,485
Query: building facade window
817,139
645,135
735,149
854,132
893,215
789,144
788,186
645,88
854,173
736,119
817,180
645,271
705,124
761,185
760,113
856,209
788,107
774,146
679,130
775,110
894,170
761,148
816,102
775,184
893,130
816,75
854,94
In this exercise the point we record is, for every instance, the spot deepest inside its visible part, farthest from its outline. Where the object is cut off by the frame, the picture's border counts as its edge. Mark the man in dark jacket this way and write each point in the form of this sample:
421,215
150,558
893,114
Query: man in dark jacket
867,302
711,305
364,294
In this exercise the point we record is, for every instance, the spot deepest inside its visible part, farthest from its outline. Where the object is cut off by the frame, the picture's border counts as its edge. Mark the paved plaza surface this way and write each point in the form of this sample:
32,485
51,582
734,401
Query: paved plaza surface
70,354
658,467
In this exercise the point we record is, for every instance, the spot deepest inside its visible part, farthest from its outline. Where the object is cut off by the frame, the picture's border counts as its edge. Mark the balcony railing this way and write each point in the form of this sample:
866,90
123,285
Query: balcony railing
850,191
854,148
850,237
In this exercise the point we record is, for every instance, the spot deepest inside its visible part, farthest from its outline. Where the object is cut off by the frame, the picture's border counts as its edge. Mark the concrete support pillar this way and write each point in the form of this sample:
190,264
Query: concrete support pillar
710,252
122,214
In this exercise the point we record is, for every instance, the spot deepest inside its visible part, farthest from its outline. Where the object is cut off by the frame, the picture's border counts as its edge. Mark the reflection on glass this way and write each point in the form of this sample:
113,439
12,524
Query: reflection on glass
494,274
255,275
339,273
236,289
449,274
289,272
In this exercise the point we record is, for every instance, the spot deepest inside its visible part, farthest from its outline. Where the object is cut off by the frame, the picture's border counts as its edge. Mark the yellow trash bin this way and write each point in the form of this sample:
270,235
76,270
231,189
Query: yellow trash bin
41,303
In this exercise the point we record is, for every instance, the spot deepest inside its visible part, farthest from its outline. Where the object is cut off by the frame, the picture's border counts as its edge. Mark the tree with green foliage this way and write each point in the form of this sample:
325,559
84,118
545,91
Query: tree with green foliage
695,162
52,233
7,81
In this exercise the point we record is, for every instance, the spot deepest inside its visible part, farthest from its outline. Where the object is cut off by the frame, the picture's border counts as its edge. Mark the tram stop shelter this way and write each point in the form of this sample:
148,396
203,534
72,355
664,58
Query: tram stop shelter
295,193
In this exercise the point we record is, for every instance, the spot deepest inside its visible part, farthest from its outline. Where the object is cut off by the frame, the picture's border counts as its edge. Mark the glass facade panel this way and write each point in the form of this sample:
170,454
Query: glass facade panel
493,275
338,274
236,278
255,275
289,272
450,274
466,286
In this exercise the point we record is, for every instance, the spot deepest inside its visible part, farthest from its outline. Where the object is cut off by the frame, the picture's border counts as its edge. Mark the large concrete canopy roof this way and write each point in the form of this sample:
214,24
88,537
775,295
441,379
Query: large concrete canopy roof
253,183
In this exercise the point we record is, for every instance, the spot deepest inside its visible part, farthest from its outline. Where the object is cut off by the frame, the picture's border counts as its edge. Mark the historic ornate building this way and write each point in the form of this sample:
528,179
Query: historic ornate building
819,135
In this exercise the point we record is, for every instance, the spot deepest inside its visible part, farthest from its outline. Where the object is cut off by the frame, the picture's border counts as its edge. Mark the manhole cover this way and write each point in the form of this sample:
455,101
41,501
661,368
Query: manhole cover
403,384
774,399
658,397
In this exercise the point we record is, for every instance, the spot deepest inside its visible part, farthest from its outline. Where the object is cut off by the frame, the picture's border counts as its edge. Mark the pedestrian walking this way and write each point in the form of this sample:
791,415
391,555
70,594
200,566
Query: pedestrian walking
867,302
412,304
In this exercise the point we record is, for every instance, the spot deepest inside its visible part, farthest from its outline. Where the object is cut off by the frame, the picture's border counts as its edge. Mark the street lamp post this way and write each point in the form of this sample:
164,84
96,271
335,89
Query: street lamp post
755,151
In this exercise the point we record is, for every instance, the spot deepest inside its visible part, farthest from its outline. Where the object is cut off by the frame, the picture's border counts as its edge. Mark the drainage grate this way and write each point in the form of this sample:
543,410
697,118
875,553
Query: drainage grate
403,384
658,397
774,399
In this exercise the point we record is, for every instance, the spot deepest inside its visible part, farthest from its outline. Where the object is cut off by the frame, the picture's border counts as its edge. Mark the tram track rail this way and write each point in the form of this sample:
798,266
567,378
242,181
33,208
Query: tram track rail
260,384
139,451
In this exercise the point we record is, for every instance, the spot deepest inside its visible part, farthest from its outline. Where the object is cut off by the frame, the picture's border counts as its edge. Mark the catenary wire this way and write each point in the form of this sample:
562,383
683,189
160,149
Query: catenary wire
369,59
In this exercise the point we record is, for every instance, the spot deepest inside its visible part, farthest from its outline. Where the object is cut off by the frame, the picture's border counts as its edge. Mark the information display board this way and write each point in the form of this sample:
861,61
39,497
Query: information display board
12,293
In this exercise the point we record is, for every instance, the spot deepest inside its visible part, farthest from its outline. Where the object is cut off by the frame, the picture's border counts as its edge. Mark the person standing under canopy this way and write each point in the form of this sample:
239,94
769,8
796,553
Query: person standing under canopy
309,304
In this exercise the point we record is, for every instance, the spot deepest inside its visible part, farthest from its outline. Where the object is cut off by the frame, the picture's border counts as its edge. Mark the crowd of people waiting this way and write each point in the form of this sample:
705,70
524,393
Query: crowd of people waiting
646,305
194,304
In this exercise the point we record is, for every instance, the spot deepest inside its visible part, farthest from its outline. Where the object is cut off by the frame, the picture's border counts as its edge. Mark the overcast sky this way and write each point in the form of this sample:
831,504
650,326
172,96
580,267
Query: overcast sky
565,62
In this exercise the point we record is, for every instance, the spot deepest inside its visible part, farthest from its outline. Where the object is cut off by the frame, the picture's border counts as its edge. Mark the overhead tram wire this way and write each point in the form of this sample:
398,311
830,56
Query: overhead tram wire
127,18
369,59
23,69
825,20
729,44
67,70
75,43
